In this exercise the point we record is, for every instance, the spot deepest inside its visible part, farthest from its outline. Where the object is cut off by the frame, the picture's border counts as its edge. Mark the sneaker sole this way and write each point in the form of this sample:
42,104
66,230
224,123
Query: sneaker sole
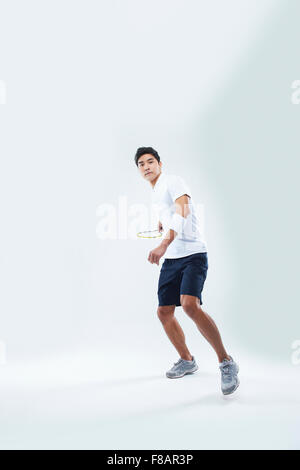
185,373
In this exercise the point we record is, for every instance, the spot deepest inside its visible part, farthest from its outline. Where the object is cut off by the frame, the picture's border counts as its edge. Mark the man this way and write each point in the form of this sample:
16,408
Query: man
184,269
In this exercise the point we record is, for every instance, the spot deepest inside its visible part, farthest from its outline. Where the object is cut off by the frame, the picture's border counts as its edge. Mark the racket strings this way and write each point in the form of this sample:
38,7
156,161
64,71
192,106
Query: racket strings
149,234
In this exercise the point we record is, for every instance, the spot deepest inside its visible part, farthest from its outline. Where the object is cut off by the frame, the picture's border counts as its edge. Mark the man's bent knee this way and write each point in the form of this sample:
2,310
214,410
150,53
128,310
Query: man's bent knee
191,305
165,312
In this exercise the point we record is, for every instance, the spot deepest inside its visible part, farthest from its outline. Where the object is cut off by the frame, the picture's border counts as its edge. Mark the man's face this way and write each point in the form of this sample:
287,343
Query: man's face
149,167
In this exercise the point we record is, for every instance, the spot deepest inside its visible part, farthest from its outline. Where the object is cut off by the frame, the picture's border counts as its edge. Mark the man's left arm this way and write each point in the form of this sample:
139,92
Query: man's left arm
179,218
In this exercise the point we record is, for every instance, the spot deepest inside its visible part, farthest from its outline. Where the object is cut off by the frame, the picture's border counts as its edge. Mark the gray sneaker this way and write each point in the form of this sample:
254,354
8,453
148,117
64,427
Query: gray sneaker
229,378
181,368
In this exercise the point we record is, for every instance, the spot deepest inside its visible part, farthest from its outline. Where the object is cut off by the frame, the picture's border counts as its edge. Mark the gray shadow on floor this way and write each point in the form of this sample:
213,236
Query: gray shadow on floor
136,380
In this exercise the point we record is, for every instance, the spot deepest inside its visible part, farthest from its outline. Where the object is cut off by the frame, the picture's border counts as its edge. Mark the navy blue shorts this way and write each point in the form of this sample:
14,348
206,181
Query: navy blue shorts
182,276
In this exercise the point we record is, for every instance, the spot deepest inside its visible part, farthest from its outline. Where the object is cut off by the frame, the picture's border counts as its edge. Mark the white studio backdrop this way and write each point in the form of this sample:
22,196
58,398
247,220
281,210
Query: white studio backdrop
86,85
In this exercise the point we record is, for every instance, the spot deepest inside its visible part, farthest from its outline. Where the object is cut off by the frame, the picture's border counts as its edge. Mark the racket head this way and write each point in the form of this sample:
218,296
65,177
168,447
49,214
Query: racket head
149,234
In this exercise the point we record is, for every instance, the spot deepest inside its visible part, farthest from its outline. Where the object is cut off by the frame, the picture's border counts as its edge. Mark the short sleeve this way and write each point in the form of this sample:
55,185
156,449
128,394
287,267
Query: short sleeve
177,187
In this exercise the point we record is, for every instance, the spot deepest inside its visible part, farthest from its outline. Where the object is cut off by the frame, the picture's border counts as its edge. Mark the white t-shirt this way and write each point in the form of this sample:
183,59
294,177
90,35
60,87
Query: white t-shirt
164,194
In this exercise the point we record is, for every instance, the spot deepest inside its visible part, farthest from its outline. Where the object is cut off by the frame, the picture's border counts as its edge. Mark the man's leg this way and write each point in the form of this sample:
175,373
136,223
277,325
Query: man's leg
205,324
174,330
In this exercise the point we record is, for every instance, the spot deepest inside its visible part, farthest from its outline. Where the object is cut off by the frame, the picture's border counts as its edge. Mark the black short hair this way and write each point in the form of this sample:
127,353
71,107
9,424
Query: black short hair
143,150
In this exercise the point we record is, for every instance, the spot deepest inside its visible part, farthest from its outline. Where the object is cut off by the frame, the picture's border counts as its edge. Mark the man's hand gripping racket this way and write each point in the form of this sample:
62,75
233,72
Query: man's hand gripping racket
158,252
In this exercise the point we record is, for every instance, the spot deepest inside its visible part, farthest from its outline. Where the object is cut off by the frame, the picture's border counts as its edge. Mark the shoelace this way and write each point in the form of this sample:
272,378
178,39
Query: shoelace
225,367
226,373
178,362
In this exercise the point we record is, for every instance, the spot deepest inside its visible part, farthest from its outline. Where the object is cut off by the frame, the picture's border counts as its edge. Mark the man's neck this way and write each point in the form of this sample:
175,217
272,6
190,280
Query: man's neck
153,182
